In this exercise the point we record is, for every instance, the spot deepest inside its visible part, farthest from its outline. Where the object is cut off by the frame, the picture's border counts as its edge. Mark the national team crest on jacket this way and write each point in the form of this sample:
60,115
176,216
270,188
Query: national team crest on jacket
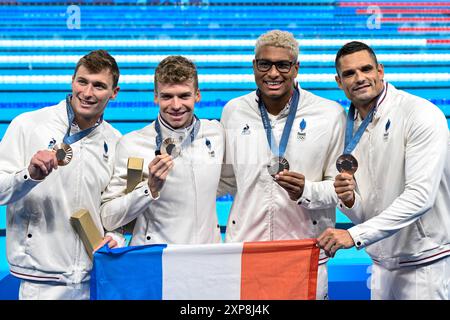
386,129
105,151
209,146
301,134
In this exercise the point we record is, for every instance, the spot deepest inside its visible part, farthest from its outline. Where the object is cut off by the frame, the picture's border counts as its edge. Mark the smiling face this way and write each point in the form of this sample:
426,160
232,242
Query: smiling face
176,102
360,78
273,84
90,95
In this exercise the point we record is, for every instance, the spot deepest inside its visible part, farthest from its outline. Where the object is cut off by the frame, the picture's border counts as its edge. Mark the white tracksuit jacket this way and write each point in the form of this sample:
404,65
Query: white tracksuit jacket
41,243
402,209
262,210
185,212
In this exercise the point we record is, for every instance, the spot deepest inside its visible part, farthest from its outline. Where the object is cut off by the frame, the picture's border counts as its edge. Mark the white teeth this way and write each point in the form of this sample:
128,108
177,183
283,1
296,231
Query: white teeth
86,102
273,83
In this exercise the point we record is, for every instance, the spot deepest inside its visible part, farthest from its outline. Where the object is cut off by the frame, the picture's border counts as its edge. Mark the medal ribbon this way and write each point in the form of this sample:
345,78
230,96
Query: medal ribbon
69,139
352,140
278,151
186,142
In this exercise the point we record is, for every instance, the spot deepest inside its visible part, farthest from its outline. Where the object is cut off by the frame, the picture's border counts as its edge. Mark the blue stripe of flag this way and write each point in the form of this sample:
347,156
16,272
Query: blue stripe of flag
136,275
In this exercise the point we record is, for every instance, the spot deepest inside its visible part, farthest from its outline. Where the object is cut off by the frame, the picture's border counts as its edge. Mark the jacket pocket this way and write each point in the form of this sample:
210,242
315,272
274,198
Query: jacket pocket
420,228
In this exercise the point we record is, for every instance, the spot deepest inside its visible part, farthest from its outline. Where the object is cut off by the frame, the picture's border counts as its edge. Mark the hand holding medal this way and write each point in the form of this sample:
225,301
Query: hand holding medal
292,182
345,185
158,170
42,164
278,166
347,164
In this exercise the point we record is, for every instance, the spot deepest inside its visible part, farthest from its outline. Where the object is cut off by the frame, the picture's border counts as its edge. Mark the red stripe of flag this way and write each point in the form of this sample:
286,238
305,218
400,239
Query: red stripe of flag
285,269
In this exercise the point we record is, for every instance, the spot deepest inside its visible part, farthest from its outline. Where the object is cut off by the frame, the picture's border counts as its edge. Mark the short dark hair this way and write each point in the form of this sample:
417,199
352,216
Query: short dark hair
98,60
176,70
352,47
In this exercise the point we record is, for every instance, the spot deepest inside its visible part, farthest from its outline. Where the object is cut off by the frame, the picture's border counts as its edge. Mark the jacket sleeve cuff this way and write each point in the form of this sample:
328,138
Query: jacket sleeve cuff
357,236
365,234
143,188
355,206
24,183
305,198
124,208
355,212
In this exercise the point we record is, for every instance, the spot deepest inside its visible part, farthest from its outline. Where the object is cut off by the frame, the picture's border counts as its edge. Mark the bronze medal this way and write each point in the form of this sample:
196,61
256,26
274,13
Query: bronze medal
170,147
347,163
64,153
277,165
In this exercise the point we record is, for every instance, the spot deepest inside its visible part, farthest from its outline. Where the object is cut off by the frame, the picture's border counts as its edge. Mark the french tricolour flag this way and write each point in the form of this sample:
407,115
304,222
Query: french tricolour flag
285,269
